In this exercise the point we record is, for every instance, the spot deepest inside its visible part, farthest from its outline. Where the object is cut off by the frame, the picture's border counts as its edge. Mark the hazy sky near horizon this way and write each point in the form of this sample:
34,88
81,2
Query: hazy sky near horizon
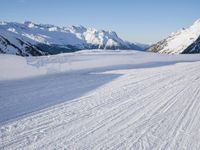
144,21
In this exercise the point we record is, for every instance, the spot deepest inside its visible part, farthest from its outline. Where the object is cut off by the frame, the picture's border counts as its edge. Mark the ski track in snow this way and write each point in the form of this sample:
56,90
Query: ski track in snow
142,108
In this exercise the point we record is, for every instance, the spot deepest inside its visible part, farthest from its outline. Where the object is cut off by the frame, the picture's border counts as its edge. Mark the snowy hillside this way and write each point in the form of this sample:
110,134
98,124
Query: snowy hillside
183,41
41,39
98,99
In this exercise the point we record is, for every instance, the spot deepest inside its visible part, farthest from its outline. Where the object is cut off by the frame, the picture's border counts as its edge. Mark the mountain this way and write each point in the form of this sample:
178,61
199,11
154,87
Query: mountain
185,41
31,39
142,45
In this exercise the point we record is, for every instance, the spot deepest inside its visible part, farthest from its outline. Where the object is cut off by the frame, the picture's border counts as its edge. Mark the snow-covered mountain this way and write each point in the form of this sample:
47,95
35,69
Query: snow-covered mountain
29,38
185,41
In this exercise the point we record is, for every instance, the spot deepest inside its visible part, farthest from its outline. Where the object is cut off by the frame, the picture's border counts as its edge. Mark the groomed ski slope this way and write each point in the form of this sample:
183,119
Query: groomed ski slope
101,100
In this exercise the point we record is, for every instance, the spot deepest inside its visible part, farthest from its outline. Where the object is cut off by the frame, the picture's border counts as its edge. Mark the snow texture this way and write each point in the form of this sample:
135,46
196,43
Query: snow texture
100,100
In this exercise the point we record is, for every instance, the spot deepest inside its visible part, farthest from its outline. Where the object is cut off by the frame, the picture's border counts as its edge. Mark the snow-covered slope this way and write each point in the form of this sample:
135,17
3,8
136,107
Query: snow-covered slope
100,100
183,41
40,39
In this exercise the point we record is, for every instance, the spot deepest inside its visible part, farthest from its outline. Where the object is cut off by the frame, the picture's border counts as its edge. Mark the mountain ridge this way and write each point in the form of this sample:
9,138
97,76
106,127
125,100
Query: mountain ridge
31,39
184,41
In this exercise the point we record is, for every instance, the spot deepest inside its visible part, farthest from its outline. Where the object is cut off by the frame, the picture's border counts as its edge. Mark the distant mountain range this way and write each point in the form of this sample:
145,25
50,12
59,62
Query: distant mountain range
31,39
185,41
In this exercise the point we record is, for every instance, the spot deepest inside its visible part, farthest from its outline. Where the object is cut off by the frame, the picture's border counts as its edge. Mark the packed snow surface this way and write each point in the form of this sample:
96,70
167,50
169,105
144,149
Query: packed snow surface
100,100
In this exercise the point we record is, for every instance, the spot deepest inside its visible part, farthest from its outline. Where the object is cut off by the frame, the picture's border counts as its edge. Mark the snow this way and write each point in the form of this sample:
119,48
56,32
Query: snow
37,38
99,99
12,30
2,23
180,40
77,36
15,67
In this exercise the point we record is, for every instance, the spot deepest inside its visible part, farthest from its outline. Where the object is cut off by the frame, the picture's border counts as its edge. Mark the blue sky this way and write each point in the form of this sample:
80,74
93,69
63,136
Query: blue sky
144,21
